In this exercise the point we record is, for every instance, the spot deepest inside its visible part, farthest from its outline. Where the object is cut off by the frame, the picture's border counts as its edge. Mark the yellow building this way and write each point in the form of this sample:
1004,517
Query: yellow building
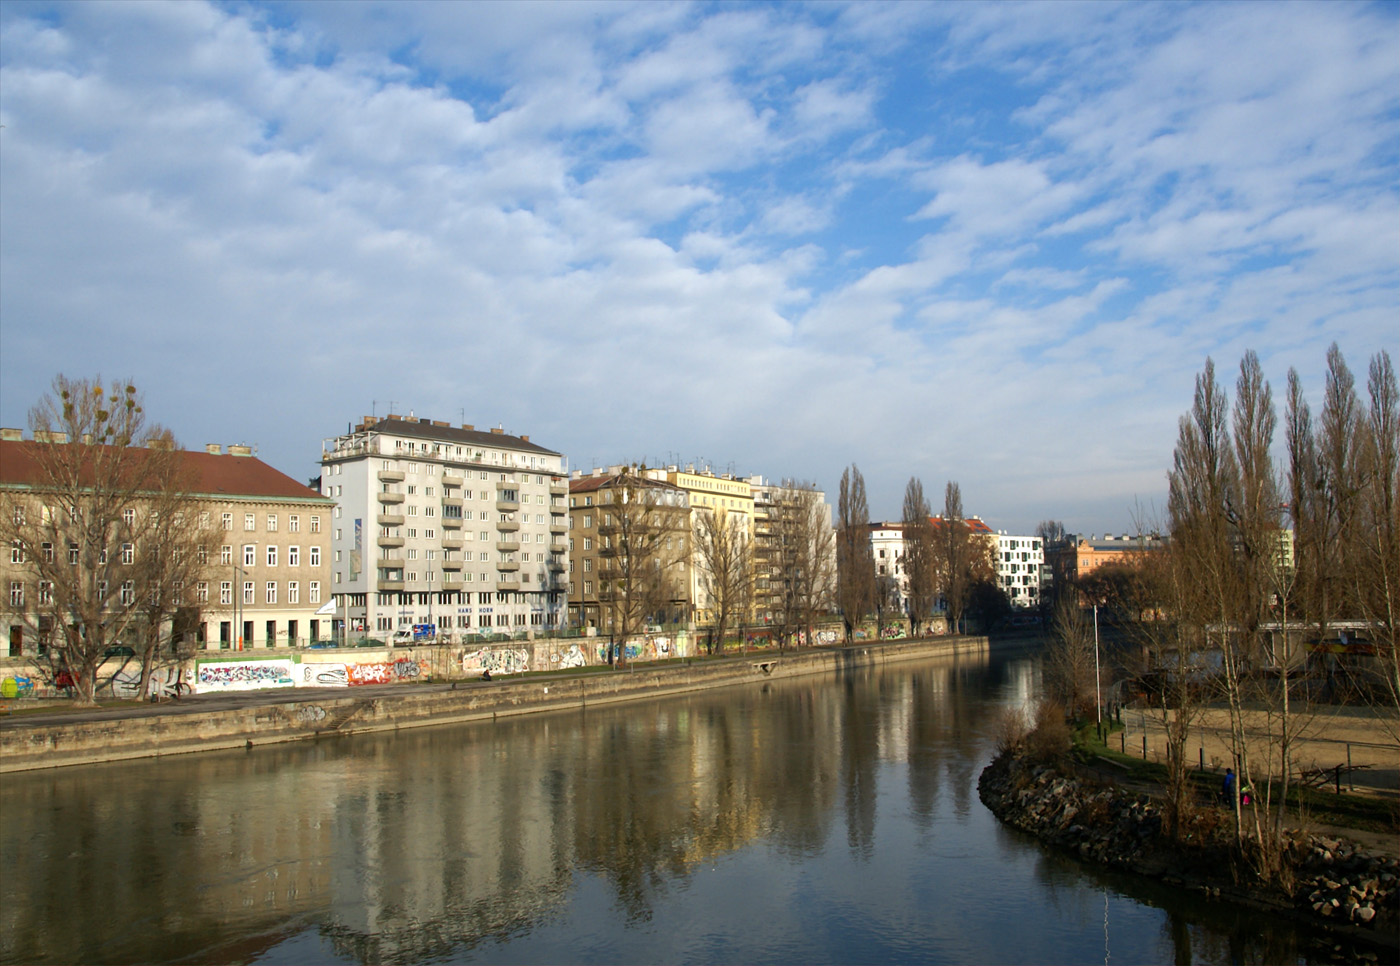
712,494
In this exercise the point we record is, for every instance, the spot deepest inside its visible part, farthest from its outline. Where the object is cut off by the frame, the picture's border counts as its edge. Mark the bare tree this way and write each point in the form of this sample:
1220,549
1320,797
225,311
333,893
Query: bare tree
801,577
645,549
93,523
1070,659
855,564
954,556
1376,571
920,560
724,559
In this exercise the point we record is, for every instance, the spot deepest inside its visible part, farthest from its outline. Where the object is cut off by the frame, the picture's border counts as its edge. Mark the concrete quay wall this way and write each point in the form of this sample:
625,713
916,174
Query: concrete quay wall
187,728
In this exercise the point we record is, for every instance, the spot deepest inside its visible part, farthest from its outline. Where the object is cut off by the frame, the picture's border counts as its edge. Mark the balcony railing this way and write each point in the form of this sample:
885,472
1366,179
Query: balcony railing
391,476
391,519
390,497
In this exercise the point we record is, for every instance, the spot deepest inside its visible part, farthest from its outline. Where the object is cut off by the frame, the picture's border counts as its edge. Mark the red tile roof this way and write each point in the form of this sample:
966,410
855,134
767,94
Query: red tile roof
210,474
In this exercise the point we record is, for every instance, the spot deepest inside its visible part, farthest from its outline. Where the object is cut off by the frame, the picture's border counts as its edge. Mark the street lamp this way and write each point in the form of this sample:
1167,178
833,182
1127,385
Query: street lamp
1098,697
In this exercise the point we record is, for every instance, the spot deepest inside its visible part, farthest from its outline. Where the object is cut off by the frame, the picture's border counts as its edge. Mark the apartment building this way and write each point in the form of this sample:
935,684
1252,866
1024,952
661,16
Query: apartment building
770,500
261,540
887,551
1020,562
448,527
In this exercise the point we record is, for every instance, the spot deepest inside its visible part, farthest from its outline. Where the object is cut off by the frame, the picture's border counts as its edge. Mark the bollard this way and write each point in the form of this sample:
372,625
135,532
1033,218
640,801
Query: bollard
1144,746
1201,753
1123,742
1351,782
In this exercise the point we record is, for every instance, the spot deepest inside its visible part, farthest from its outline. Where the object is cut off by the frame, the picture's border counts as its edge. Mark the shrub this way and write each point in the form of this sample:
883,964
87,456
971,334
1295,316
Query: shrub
1049,737
1010,730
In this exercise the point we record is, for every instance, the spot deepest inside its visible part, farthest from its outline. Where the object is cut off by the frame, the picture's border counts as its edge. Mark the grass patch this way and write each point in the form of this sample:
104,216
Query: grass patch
1323,806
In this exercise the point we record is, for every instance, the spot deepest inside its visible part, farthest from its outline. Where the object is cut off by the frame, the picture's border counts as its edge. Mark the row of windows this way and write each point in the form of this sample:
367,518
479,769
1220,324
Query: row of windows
250,555
127,592
250,522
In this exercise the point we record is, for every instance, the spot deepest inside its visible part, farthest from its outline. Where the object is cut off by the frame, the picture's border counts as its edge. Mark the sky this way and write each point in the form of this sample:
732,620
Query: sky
988,243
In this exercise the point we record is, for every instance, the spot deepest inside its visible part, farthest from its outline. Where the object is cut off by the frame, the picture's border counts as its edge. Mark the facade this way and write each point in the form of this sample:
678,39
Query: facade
1020,561
263,539
769,580
887,550
708,493
1078,556
594,520
445,527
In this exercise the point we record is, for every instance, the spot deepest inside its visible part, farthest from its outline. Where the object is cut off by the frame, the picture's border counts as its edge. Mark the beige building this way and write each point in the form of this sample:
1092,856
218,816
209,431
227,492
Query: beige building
261,537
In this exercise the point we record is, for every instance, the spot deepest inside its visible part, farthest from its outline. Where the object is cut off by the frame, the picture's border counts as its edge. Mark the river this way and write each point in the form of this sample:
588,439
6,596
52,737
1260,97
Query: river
821,820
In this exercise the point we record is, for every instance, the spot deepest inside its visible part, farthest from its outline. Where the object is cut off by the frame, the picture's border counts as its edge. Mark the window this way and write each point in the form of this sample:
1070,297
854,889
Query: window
249,521
204,519
128,554
129,517
429,533
201,592
313,592
293,523
46,591
19,519
16,553
48,552
272,523
271,555
226,555
102,590
247,592
73,554
315,524
293,592
226,592
128,592
315,556
248,554
226,521
272,591
16,594
293,556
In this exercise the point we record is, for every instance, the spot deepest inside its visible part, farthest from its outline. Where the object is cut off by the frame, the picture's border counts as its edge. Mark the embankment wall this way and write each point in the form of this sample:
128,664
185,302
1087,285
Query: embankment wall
187,728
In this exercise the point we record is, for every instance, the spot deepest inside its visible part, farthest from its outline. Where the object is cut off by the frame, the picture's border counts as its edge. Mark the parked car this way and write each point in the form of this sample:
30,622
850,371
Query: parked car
119,650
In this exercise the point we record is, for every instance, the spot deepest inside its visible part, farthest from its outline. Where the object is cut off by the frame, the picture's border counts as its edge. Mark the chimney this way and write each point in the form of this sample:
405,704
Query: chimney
498,430
441,422
213,449
49,436
11,435
469,427
163,444
525,438
239,450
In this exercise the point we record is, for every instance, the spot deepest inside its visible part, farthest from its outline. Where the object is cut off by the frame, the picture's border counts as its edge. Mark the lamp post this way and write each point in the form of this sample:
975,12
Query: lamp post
1098,696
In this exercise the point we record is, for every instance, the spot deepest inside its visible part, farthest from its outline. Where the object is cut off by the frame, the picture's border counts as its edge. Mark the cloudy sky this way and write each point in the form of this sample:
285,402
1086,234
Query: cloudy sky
991,243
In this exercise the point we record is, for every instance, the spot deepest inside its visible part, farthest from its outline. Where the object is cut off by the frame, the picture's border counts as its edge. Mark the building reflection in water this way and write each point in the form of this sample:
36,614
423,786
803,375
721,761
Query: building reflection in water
407,847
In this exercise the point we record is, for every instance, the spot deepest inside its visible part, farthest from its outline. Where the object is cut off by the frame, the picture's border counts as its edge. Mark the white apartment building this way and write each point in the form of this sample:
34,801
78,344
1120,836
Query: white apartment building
1020,561
446,526
887,550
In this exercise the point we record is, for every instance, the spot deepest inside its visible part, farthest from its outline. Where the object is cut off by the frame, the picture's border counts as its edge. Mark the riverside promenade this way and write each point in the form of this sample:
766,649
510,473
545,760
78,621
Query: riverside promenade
67,736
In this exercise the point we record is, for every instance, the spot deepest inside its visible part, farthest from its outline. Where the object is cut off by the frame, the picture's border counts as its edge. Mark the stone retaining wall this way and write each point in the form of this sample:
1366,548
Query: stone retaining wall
188,728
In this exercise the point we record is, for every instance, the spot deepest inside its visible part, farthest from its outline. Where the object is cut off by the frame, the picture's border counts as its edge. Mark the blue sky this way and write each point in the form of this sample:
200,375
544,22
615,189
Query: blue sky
992,243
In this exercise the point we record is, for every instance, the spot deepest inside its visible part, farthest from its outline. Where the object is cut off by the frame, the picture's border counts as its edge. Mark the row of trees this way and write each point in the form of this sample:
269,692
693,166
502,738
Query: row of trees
1260,555
944,562
98,513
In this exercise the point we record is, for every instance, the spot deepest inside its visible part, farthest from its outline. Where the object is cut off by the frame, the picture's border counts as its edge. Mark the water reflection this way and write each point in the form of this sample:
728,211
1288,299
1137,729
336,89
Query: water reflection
824,820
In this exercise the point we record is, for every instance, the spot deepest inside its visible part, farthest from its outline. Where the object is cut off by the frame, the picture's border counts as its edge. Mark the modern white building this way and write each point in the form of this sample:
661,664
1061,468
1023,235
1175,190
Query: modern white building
446,527
887,550
1020,561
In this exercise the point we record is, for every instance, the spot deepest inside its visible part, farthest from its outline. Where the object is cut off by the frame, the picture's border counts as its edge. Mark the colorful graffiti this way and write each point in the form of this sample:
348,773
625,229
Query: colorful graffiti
891,632
245,675
498,661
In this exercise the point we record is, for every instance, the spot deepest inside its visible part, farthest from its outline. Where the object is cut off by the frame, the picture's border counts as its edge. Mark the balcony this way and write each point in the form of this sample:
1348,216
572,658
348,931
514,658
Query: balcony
390,497
507,585
452,565
452,580
391,519
391,476
451,543
391,541
508,526
558,487
453,479
507,546
389,584
558,525
508,565
451,501
451,523
505,506
557,566
508,483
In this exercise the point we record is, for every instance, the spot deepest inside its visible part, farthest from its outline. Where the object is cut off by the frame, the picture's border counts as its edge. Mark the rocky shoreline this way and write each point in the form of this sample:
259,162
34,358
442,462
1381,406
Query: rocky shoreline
1338,885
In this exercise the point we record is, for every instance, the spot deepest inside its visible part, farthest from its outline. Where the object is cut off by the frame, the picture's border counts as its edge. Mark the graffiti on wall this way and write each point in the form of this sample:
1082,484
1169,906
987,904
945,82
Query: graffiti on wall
324,676
503,660
573,657
166,682
245,675
892,632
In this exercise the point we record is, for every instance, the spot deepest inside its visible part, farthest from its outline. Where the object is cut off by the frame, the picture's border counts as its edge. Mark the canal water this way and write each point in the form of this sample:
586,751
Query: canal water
823,820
